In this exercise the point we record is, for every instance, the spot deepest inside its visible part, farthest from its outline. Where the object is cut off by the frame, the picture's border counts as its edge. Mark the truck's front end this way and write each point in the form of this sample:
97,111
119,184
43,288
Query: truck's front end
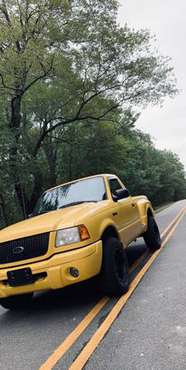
53,248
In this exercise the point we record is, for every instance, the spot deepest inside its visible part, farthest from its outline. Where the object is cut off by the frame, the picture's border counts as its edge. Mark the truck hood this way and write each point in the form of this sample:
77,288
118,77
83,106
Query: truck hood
51,221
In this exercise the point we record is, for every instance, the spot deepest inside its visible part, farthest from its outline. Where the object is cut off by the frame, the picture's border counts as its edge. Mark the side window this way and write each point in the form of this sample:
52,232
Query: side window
114,185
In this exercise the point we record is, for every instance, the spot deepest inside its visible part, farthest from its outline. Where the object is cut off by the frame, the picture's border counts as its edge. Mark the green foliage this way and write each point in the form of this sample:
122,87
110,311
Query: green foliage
69,79
143,168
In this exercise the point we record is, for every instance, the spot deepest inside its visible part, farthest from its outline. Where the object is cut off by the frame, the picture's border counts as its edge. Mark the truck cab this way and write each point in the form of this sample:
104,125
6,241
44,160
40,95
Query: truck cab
77,230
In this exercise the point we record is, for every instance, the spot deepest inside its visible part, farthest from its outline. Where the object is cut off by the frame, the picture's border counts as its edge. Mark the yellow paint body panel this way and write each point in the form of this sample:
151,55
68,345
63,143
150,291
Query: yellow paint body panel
87,260
128,217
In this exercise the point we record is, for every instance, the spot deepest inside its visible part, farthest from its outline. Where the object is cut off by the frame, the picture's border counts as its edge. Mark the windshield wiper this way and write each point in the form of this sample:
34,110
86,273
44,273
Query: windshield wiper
76,203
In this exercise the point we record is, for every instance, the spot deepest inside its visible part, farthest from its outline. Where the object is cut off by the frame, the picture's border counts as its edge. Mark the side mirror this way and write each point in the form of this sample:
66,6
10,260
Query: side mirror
121,194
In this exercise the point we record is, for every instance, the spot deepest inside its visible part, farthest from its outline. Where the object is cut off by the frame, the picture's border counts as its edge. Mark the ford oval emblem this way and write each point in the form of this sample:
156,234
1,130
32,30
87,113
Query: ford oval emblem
18,250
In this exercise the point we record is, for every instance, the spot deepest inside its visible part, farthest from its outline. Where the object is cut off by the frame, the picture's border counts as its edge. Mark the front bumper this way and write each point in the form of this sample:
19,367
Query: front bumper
56,270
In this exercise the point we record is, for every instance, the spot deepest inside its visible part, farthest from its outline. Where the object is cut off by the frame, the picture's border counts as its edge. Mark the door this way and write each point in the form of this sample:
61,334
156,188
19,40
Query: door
126,217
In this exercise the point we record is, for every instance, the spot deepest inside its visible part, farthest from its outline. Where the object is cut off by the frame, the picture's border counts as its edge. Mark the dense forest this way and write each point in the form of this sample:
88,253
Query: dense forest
72,85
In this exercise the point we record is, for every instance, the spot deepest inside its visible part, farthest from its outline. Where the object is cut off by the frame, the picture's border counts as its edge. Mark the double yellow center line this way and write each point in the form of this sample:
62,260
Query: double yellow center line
94,341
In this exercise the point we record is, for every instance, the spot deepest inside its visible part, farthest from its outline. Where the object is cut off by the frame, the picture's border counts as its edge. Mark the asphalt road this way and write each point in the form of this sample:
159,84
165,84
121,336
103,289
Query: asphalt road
150,332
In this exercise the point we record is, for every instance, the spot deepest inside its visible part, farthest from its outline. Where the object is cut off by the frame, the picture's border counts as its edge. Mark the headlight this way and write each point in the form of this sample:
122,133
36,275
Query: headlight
71,235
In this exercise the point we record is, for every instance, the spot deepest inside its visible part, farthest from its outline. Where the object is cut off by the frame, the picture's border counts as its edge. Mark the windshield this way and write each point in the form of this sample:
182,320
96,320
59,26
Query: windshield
89,190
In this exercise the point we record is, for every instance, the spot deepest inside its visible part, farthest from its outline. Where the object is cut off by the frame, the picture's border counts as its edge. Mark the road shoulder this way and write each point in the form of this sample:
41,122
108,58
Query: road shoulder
151,332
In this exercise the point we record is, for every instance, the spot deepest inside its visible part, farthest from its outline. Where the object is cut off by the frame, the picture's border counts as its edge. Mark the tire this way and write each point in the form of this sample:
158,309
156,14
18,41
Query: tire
114,274
152,235
16,302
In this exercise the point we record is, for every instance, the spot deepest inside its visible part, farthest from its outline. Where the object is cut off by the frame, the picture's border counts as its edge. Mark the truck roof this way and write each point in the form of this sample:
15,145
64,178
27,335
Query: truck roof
82,178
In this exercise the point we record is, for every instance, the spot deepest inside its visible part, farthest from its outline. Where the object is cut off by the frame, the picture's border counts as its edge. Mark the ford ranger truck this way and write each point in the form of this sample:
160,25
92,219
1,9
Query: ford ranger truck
77,230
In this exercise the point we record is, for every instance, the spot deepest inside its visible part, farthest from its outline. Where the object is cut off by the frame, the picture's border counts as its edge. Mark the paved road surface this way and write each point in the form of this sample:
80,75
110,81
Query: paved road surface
150,332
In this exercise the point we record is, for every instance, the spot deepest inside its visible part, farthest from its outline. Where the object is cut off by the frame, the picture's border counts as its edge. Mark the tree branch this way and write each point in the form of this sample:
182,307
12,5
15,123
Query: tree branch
40,77
4,85
4,10
63,123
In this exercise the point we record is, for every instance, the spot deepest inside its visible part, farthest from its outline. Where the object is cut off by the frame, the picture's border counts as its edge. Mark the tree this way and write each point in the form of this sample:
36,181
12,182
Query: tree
64,62
88,150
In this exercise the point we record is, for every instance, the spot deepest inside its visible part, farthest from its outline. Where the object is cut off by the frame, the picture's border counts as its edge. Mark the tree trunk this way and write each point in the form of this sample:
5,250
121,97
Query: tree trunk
36,192
50,150
3,210
15,124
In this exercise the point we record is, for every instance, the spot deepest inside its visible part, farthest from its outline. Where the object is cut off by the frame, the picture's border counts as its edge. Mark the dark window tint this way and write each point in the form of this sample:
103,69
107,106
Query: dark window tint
114,185
88,190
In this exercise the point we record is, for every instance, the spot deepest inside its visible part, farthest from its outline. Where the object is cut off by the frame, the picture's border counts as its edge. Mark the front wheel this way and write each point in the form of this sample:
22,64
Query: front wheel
152,235
16,302
114,275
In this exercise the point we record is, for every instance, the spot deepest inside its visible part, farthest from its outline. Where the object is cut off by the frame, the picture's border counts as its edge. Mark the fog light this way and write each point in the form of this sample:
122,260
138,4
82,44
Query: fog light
74,272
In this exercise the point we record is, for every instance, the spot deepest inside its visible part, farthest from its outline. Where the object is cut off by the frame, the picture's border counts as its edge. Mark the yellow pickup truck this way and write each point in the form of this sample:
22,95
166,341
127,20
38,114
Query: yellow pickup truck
77,230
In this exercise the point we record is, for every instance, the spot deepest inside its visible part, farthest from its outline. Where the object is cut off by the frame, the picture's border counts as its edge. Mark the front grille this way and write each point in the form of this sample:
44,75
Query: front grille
24,248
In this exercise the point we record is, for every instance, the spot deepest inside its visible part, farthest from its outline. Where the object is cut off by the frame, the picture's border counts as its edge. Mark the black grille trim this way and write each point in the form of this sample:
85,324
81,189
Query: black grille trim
24,248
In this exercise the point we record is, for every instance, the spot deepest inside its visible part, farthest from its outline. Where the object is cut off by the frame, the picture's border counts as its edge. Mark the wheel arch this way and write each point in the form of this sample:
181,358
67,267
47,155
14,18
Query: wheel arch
150,212
110,231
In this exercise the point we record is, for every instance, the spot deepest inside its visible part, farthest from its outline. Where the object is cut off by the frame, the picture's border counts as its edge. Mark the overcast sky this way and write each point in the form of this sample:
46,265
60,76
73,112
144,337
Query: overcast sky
167,20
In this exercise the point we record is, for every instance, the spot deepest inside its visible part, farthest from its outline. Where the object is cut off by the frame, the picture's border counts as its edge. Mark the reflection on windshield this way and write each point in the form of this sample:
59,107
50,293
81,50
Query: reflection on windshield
89,190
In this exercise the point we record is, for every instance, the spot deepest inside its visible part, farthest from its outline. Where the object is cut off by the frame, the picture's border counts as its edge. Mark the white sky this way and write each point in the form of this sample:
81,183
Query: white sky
167,20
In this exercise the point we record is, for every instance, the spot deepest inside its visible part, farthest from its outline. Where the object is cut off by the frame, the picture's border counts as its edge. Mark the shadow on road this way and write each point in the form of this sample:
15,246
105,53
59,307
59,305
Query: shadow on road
78,297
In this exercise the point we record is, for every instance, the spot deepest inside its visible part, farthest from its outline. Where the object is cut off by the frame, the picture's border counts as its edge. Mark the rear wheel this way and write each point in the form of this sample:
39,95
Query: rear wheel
114,275
152,235
16,302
